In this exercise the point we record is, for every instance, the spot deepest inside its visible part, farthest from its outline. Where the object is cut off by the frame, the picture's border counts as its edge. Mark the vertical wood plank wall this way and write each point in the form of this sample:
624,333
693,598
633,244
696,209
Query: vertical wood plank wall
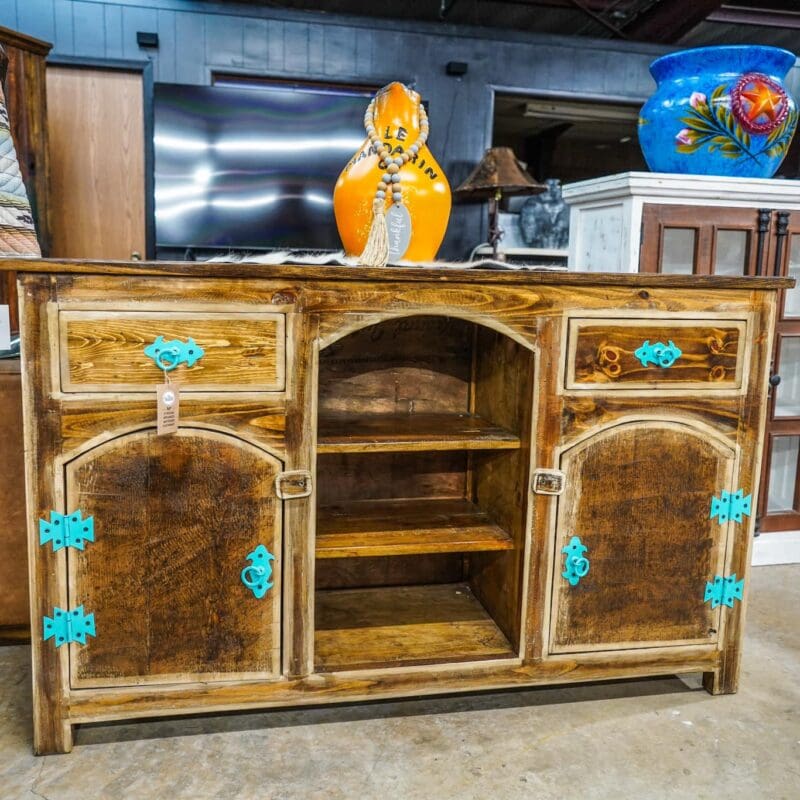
102,111
196,39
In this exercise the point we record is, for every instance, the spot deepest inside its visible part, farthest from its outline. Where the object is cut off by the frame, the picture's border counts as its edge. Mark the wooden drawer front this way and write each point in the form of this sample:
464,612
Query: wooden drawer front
602,354
103,351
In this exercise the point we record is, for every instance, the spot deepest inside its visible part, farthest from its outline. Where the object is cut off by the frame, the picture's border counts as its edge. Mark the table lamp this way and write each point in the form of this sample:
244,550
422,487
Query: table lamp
498,174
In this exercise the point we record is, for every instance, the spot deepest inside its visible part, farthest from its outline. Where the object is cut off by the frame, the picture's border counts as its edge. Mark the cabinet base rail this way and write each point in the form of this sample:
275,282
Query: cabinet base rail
138,702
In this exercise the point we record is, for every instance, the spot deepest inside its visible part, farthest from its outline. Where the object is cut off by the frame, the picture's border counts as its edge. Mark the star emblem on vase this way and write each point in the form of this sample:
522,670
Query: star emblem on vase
759,103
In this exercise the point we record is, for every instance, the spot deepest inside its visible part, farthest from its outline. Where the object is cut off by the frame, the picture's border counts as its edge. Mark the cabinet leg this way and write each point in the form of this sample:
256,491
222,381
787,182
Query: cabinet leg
721,681
51,736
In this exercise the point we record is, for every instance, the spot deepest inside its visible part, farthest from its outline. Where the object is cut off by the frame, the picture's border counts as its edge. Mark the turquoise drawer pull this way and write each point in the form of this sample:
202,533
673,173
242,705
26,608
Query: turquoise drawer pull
167,355
576,565
256,575
658,354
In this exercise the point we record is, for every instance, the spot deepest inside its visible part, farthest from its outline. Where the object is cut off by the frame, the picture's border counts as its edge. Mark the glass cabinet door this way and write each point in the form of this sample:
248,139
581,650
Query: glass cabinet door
779,506
700,240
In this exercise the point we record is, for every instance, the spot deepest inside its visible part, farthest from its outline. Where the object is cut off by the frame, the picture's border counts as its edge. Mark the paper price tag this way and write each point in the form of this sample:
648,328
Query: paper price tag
168,404
5,329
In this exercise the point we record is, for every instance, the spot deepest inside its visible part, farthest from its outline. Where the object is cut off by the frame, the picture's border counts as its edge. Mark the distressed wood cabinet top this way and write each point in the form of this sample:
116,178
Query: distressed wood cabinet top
443,273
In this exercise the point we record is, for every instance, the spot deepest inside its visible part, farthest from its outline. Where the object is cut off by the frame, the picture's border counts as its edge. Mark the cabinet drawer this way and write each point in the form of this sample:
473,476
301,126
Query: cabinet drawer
103,351
607,354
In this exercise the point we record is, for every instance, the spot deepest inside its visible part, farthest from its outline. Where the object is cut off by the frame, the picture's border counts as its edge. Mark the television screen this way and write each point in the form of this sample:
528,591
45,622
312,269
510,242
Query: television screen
251,167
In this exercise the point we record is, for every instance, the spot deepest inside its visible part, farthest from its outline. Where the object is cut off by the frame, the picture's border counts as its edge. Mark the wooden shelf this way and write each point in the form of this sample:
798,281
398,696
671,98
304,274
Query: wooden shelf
406,527
403,625
346,433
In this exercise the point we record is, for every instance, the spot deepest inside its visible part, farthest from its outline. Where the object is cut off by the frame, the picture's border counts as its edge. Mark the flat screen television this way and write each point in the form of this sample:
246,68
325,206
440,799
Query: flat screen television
251,167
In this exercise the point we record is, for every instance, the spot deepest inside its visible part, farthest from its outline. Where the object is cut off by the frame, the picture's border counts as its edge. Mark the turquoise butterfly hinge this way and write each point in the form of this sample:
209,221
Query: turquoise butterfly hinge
68,626
256,575
731,506
723,591
168,355
659,354
66,530
576,565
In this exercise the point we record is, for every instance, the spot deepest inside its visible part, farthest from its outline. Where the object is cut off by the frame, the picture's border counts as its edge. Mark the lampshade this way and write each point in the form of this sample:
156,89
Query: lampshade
498,170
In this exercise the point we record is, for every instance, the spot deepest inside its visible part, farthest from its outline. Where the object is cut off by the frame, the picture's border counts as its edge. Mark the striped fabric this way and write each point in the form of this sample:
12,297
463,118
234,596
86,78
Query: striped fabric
17,234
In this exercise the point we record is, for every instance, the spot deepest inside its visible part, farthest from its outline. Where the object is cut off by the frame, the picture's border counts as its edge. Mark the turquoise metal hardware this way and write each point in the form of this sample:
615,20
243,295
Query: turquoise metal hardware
724,591
168,355
256,575
576,565
69,626
731,506
66,530
659,354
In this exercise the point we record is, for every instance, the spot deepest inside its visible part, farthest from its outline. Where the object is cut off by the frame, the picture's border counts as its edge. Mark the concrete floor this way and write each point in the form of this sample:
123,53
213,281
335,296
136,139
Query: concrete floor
636,740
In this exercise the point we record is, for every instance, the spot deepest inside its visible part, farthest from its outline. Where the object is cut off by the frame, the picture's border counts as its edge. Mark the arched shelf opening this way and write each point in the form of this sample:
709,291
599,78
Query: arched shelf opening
423,441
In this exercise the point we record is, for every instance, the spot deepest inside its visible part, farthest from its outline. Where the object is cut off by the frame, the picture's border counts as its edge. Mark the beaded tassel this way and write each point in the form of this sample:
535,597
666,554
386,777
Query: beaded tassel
376,251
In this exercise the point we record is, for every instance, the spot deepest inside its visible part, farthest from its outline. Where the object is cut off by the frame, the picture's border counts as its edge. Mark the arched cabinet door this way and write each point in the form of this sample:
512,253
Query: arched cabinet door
638,496
175,518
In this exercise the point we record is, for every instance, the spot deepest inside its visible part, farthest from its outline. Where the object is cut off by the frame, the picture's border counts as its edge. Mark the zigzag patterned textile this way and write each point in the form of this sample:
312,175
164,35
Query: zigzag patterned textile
17,234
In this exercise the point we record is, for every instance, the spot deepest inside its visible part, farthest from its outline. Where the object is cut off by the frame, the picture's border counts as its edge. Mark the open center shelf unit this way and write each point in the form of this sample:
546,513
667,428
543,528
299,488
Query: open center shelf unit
423,442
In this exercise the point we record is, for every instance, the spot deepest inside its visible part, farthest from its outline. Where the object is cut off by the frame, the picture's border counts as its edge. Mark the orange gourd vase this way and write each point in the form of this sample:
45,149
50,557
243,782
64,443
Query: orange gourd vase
425,190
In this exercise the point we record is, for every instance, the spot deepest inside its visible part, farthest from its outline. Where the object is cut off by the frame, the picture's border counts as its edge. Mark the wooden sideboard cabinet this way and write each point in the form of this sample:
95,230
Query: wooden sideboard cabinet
384,483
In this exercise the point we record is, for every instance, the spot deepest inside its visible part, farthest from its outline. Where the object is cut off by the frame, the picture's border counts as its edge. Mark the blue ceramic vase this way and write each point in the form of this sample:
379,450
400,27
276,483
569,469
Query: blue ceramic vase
719,111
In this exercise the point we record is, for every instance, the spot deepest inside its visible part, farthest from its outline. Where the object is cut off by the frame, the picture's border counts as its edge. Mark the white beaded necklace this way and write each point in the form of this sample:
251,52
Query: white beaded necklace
379,248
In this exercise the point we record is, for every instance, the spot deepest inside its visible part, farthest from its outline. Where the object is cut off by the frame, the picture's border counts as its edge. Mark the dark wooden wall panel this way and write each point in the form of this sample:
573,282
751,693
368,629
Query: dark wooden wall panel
112,22
34,17
199,38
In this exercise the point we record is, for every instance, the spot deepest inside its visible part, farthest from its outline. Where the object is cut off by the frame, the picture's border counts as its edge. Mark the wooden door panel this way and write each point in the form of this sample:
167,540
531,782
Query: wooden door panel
95,120
175,518
638,496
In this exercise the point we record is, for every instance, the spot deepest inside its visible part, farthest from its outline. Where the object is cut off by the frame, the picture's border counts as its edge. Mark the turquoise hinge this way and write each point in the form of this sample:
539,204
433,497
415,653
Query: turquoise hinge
256,575
658,354
66,530
68,626
723,591
731,506
168,355
576,566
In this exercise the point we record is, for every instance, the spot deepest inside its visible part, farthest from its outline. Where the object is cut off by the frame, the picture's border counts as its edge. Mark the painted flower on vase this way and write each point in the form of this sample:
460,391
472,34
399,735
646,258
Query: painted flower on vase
754,104
697,98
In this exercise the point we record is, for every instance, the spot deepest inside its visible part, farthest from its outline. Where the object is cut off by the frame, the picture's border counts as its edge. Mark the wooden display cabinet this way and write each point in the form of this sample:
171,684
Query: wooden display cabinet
415,449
